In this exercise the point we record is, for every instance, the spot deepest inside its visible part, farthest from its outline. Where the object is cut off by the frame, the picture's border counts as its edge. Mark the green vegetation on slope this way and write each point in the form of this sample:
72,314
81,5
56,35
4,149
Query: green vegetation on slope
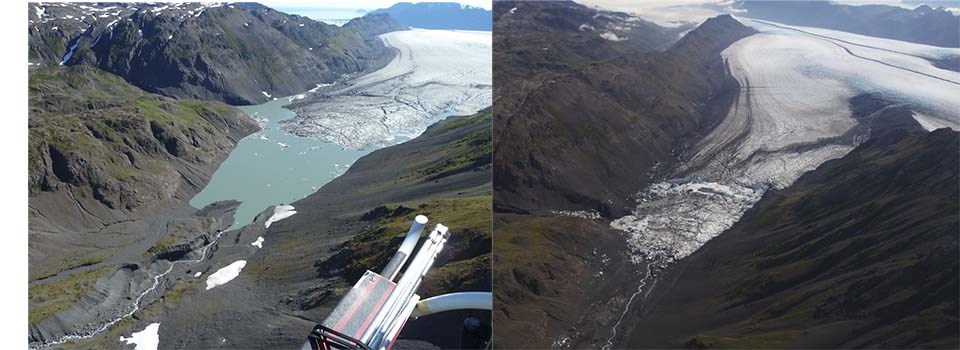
50,298
90,129
456,148
465,262
68,265
470,152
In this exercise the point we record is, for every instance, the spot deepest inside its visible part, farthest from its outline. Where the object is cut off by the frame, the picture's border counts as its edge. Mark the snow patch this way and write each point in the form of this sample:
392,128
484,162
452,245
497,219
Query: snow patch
147,339
280,212
66,57
320,86
197,274
265,94
225,274
258,243
612,36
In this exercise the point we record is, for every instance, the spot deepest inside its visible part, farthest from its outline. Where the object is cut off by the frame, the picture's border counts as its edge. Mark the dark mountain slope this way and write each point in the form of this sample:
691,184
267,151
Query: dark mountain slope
528,37
586,137
351,224
234,54
860,253
439,15
923,25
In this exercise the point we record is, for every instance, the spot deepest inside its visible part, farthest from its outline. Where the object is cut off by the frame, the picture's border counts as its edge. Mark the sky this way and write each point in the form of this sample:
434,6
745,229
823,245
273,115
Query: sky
345,9
676,12
666,12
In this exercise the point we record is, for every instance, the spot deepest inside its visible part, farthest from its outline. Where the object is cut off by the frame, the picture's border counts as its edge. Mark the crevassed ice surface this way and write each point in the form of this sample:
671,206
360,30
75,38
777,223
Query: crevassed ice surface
436,73
790,115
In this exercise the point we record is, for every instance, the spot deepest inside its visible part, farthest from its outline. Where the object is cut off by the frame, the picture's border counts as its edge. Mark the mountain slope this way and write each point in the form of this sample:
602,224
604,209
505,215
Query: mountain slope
923,25
573,143
102,150
528,39
439,15
859,253
111,169
584,139
351,224
234,54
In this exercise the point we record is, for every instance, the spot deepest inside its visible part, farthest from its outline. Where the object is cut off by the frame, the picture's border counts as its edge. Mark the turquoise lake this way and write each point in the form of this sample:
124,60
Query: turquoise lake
271,167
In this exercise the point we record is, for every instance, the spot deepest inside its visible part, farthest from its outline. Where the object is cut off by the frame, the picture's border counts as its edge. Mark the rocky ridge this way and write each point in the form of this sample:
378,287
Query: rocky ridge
234,53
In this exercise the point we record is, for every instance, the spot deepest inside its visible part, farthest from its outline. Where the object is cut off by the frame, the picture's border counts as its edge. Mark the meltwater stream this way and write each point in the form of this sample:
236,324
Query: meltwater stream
136,303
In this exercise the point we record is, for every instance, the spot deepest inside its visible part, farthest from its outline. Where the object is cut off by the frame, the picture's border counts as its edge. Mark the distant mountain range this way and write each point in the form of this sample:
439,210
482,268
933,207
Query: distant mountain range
922,25
238,54
439,15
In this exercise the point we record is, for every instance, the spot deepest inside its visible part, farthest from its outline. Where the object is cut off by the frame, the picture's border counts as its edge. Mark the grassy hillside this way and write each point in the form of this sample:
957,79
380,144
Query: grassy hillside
465,262
352,224
93,133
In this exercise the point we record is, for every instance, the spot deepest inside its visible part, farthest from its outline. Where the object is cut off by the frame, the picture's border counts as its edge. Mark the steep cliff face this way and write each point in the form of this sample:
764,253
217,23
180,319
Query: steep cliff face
102,150
230,53
859,253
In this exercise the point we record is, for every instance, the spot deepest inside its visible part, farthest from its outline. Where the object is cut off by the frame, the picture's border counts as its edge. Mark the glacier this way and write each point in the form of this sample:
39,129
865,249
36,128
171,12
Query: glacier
792,114
434,74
